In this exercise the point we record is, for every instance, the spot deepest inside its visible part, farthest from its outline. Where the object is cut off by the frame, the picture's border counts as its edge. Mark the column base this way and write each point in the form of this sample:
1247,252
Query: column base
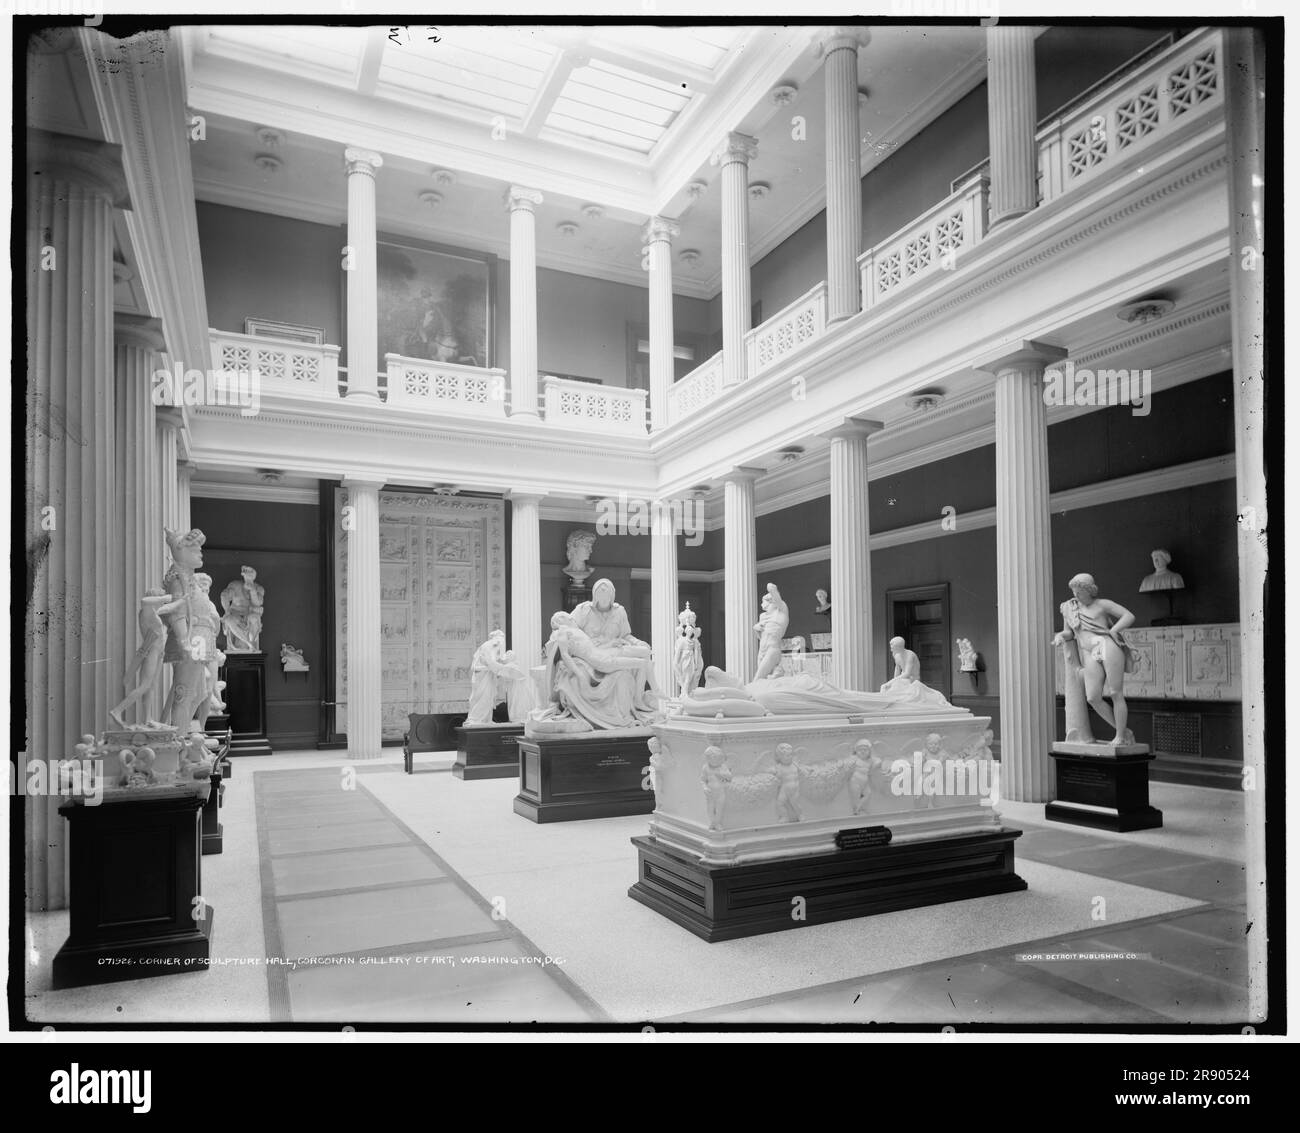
367,395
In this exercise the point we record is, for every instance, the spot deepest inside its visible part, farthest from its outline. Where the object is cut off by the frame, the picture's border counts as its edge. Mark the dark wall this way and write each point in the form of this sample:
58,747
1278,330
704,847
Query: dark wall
1113,542
1068,60
271,267
282,542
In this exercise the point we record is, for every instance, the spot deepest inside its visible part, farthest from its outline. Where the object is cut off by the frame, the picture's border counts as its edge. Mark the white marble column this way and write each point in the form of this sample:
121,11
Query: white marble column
169,426
362,274
525,578
1026,613
365,714
663,592
740,564
851,555
184,476
659,236
843,175
1244,108
1013,113
734,155
523,301
138,342
71,531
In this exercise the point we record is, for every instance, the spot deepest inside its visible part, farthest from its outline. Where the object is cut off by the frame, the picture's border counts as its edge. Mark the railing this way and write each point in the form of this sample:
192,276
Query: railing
1177,86
445,387
696,389
927,245
611,408
786,331
282,366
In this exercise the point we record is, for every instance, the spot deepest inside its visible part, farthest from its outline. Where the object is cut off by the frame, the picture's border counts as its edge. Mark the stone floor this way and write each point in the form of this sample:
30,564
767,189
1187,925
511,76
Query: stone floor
425,899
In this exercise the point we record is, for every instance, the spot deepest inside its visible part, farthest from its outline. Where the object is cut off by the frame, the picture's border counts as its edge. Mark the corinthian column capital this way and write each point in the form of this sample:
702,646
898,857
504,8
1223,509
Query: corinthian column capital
661,228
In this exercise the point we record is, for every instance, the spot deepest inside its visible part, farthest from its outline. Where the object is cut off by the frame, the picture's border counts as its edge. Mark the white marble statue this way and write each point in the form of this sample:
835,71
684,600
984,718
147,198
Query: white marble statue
495,676
715,775
192,626
906,683
598,675
688,660
142,674
770,627
969,658
787,793
1096,659
242,603
865,764
578,546
292,660
823,603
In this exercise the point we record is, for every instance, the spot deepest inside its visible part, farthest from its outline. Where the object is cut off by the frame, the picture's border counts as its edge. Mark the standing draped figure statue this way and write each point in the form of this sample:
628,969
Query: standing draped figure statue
1096,659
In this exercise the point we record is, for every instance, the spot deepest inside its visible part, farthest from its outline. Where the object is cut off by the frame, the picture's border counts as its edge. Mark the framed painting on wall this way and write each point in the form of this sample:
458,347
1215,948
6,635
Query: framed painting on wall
435,302
271,328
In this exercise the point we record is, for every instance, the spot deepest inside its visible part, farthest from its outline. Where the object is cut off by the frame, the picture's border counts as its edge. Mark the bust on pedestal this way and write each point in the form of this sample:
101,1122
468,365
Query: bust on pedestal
243,601
578,546
1098,784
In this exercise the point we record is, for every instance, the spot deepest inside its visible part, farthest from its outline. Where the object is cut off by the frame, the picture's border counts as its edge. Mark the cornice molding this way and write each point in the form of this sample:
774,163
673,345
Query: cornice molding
260,493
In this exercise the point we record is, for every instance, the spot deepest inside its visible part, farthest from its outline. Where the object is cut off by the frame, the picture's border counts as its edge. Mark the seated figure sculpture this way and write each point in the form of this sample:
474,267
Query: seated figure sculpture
599,675
906,684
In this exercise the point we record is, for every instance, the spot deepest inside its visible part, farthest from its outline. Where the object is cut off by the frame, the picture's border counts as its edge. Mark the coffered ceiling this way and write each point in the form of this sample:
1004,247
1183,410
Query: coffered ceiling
613,123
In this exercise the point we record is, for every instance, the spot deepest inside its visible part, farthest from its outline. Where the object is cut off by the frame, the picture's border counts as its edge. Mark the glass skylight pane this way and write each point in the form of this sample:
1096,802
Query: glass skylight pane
628,107
640,88
582,129
594,114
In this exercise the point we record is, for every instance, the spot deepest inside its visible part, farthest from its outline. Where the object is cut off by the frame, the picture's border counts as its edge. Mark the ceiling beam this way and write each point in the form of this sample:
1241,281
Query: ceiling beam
372,56
544,99
662,67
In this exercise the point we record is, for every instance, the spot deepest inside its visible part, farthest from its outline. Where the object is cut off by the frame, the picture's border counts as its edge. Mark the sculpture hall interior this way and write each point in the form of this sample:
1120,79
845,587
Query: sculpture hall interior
697,524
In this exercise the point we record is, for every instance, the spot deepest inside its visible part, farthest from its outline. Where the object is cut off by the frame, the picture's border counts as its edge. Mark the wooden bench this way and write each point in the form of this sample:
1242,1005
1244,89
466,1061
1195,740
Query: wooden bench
429,731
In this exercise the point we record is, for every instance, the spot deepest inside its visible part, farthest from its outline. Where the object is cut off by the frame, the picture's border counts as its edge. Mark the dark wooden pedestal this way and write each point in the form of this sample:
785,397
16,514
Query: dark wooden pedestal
726,902
487,751
212,828
245,697
1108,792
135,898
588,775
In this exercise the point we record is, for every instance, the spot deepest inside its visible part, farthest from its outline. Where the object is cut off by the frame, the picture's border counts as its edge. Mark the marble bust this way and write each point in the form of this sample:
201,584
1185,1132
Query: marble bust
1162,578
823,603
241,603
578,546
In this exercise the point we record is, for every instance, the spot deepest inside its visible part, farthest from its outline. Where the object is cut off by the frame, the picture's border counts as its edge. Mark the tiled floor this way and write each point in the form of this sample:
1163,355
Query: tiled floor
424,899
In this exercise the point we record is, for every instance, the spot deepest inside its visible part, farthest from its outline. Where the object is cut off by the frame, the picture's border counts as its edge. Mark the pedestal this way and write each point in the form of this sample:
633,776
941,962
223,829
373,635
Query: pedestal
136,908
574,595
586,775
1103,786
212,828
725,902
487,751
245,696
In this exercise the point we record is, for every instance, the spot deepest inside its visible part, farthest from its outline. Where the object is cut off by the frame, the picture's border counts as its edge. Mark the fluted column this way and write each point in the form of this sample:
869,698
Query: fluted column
1026,622
1244,108
362,274
138,341
734,155
184,476
843,176
659,235
169,425
71,536
1013,114
365,714
523,301
663,592
851,553
525,578
740,564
